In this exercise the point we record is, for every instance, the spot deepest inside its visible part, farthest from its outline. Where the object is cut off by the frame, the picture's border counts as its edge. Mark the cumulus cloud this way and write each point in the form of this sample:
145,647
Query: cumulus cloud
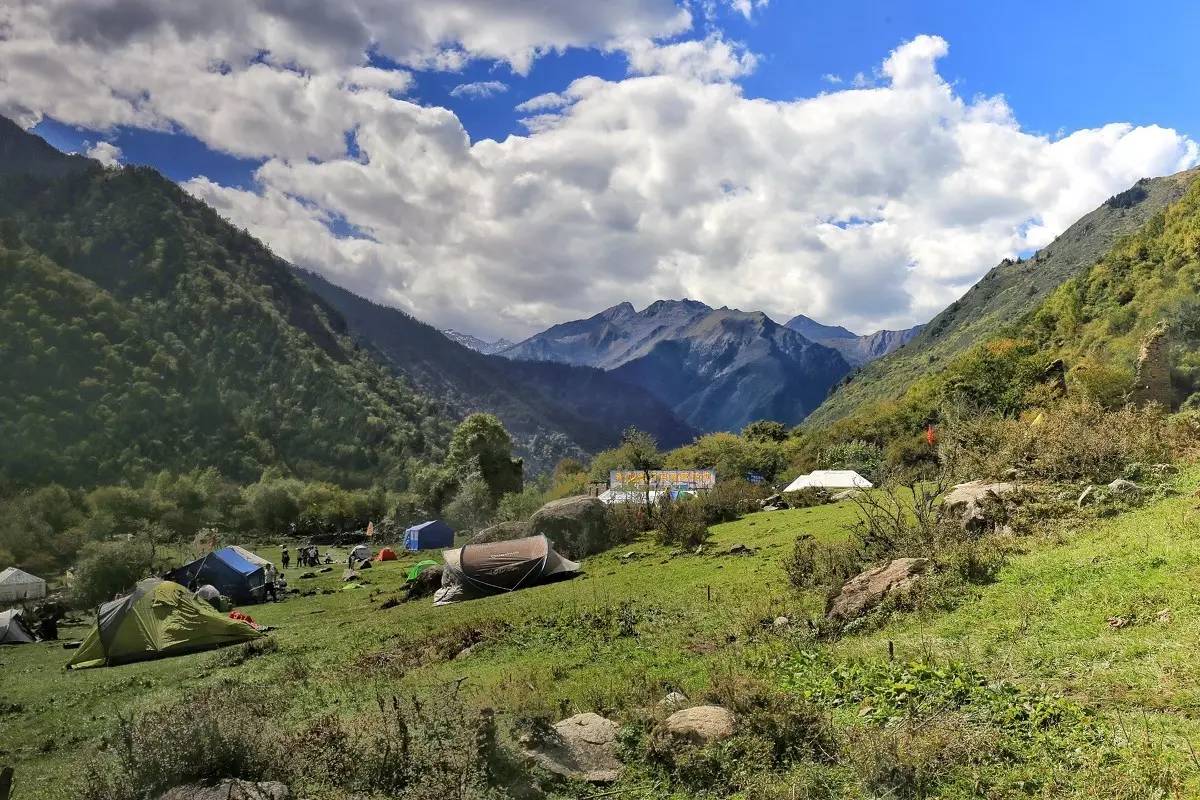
709,59
479,89
872,205
106,153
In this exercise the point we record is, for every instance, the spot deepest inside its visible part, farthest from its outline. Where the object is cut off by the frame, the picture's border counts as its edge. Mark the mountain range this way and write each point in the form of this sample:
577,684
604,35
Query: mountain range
475,343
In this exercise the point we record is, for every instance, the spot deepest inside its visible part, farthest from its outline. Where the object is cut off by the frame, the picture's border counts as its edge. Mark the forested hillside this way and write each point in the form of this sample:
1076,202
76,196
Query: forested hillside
552,410
1002,297
140,331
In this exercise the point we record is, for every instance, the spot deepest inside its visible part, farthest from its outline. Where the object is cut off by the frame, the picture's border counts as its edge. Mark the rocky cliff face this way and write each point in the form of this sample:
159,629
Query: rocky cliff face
719,369
1152,382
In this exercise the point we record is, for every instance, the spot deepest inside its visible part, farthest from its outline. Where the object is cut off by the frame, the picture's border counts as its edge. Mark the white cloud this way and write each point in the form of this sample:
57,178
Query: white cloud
869,208
106,153
479,89
709,59
830,78
544,102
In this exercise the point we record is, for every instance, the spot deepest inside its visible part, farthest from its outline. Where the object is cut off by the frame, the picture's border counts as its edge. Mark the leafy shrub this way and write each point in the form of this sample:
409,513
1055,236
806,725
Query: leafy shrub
807,497
822,565
863,457
627,521
108,569
519,506
471,508
680,522
1073,440
729,500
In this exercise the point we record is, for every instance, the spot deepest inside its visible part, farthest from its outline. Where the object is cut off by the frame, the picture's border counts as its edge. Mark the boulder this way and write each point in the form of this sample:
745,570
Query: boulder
775,500
349,575
576,526
229,789
865,591
1152,378
739,550
700,725
582,747
978,504
846,494
501,532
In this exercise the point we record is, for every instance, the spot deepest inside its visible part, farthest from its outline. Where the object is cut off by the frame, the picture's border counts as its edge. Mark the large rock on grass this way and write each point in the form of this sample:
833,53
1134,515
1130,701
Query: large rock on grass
867,589
229,789
576,526
501,532
582,747
979,505
699,725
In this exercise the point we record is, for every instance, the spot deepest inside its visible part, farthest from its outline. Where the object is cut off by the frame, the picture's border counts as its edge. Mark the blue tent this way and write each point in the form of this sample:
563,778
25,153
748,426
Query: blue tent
229,570
429,536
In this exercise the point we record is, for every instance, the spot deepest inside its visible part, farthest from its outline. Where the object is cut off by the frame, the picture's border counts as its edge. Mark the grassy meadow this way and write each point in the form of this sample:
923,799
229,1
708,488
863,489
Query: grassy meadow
643,621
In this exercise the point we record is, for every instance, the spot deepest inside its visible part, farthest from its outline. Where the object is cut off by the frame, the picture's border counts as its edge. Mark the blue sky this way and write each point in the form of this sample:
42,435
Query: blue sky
863,165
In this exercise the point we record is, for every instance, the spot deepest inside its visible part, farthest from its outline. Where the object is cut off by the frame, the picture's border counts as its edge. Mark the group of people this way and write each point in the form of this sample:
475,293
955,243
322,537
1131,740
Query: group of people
308,556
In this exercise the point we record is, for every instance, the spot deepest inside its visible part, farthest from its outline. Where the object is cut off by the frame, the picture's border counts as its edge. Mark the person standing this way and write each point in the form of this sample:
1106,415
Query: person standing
285,558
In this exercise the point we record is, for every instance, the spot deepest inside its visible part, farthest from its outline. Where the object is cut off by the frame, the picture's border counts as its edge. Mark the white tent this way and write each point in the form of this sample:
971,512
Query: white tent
17,585
829,479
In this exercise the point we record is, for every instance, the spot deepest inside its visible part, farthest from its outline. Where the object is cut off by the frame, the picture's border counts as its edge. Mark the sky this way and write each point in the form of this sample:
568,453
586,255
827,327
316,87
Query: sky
498,166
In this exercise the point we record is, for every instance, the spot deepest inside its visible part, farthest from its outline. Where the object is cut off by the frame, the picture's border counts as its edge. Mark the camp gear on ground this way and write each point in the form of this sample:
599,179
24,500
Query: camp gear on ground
209,592
158,619
18,586
235,572
419,567
13,629
479,570
429,535
386,554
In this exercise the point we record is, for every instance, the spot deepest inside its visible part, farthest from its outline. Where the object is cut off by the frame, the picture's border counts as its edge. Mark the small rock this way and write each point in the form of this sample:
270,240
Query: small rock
307,575
700,725
1087,498
582,747
1118,622
323,570
229,789
349,575
1164,616
847,494
629,555
781,622
673,701
465,652
739,550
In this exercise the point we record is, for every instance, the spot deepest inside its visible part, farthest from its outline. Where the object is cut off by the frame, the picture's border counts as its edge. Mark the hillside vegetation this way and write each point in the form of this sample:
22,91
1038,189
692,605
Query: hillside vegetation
1002,298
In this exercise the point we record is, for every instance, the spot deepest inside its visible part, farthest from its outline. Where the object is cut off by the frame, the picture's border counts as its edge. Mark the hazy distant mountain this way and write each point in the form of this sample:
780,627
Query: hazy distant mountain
856,349
717,368
475,343
811,329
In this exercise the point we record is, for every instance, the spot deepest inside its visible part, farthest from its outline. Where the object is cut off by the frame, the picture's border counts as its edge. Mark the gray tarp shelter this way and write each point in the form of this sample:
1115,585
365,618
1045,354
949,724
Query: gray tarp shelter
479,570
12,628
18,586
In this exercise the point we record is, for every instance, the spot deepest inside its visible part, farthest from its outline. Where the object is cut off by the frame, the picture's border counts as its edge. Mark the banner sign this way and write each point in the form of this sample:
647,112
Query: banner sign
664,478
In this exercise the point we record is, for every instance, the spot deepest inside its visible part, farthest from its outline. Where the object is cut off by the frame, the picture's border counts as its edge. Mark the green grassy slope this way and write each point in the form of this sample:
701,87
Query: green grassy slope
1002,297
632,628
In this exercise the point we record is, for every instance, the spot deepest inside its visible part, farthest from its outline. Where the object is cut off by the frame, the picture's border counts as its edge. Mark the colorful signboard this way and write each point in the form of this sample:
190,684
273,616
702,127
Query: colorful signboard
664,478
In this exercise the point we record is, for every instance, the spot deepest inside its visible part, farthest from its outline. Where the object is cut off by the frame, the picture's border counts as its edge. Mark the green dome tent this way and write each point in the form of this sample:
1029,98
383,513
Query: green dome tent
158,619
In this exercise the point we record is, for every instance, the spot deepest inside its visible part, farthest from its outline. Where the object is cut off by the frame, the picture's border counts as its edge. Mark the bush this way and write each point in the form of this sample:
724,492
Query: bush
729,500
680,522
627,521
109,569
863,457
471,509
1074,440
822,565
519,506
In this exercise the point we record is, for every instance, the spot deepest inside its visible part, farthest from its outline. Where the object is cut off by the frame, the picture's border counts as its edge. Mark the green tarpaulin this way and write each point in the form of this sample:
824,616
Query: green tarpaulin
416,569
158,619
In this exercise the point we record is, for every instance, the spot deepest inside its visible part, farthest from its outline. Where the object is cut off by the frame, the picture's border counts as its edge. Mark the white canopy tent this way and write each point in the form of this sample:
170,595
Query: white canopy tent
17,586
830,479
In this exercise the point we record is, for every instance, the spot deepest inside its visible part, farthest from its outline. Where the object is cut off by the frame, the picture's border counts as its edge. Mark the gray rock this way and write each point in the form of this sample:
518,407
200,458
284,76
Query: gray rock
1123,488
229,789
349,575
582,747
781,622
576,526
846,494
739,550
979,504
865,591
700,725
501,532
673,701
